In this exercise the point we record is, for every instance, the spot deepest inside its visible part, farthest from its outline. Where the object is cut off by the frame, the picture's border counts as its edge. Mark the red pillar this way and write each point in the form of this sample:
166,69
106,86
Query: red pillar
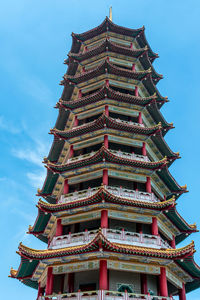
140,118
154,226
163,282
103,275
173,242
182,294
66,187
105,177
106,111
148,185
133,67
49,284
79,94
144,151
59,228
144,288
107,82
106,141
131,45
75,121
104,218
136,91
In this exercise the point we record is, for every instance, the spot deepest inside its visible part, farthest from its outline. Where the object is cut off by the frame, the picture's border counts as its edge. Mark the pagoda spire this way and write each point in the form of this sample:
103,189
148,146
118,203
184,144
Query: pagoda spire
110,13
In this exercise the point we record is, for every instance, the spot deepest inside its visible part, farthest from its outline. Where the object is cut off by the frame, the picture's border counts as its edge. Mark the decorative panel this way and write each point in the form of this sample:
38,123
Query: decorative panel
131,217
76,267
139,268
81,218
128,176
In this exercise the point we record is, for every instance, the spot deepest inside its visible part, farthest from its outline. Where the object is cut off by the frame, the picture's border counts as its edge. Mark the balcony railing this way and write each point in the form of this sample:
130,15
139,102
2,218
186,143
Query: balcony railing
128,122
116,120
81,157
78,195
113,235
117,191
132,194
103,295
130,155
117,153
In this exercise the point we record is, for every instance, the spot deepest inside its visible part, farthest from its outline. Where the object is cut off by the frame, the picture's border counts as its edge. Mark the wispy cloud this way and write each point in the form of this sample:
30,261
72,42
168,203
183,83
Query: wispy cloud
32,154
28,155
36,179
37,89
7,126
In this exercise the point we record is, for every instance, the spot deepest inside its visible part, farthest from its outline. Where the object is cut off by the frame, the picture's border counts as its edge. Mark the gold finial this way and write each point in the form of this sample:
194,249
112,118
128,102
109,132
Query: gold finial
193,225
110,13
184,186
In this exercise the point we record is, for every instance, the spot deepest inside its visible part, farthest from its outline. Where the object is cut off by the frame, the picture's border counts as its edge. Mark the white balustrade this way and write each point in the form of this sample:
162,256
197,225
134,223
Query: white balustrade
118,153
117,191
128,122
78,195
81,157
103,295
74,238
113,235
130,155
132,194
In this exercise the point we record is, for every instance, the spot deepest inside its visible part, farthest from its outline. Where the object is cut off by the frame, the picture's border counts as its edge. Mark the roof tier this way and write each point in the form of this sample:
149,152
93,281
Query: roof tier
105,155
184,256
108,46
109,93
154,132
104,121
178,253
45,209
108,122
106,67
105,46
106,26
168,207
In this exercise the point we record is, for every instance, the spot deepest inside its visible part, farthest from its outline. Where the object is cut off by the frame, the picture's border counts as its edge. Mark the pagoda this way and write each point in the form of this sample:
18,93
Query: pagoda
107,210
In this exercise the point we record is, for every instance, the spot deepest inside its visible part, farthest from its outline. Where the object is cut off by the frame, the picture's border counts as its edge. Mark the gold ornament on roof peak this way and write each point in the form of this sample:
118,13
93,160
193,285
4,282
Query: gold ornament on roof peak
110,13
184,186
194,225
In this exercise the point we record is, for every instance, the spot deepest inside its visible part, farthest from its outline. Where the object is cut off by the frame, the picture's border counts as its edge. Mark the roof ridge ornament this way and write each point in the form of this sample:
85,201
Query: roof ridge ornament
110,13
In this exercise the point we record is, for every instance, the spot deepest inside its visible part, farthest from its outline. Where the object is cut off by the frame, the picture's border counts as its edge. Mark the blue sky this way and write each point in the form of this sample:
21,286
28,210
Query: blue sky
35,39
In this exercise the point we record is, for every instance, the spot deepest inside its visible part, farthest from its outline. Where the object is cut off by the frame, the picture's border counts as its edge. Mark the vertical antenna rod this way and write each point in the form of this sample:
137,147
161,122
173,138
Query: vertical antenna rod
110,13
